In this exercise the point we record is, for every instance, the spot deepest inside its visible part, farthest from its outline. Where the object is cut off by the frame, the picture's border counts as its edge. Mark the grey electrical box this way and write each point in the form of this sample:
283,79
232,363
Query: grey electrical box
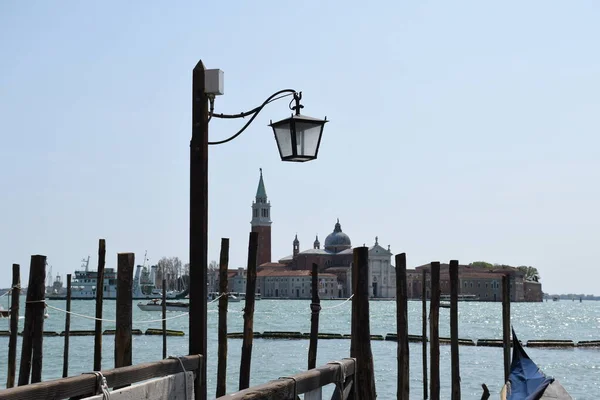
213,82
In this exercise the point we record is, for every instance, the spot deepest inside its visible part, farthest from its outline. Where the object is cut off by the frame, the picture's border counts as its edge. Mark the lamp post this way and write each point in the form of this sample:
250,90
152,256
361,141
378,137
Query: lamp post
298,138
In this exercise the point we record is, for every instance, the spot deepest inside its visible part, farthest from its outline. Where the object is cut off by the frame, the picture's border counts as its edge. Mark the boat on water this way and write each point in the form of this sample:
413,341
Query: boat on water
4,313
444,304
231,298
461,297
527,382
83,286
156,305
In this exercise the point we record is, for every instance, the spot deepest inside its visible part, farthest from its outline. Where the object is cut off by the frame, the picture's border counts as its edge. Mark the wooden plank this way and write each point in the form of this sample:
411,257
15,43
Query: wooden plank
67,331
434,317
424,331
402,328
198,246
123,355
14,325
223,306
246,358
31,353
454,355
360,346
315,307
283,389
86,383
173,387
99,301
316,394
506,324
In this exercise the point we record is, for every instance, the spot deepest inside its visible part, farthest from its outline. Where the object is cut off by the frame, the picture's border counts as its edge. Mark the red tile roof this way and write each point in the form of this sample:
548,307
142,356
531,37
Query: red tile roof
277,273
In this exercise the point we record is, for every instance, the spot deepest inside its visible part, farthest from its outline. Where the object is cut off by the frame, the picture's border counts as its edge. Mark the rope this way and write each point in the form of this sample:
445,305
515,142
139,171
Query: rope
295,385
184,373
341,377
338,305
100,383
114,321
7,292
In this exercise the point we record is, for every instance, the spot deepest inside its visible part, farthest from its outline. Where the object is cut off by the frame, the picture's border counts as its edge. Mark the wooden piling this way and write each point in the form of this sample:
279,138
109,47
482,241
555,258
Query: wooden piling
14,325
223,305
486,392
124,320
164,318
424,331
402,328
434,315
99,300
506,324
67,329
454,355
31,352
315,308
246,358
360,343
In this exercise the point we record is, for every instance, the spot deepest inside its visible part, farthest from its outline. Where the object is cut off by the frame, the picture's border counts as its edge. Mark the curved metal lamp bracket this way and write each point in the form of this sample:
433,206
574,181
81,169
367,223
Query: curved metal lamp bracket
255,111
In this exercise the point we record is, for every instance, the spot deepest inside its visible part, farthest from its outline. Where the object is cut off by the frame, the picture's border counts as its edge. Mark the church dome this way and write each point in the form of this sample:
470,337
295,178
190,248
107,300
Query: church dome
337,240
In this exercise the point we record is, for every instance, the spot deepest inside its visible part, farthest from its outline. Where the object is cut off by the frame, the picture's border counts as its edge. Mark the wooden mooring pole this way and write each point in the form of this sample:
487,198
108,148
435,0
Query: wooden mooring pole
434,315
223,305
360,343
424,331
67,329
402,328
506,324
454,355
123,356
164,318
315,308
246,358
14,325
31,352
99,301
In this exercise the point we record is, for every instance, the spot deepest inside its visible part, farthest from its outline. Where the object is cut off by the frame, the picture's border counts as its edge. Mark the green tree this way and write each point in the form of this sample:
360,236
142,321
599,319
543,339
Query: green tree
531,273
481,264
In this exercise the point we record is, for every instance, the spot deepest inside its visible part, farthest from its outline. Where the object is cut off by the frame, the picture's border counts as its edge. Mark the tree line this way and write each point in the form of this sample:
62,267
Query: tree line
531,273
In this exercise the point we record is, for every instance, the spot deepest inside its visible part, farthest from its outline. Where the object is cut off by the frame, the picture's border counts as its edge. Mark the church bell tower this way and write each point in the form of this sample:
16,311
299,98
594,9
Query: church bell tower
261,222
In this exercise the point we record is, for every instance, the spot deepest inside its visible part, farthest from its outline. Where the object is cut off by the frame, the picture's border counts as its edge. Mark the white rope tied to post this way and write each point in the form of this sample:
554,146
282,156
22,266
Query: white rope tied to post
184,373
338,305
100,384
341,377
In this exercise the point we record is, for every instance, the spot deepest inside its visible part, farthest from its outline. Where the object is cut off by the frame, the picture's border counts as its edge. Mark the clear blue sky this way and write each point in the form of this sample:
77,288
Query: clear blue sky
459,130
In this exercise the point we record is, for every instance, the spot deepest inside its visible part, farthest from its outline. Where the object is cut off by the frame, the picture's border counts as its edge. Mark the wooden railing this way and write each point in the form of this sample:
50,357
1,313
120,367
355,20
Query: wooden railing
87,384
310,383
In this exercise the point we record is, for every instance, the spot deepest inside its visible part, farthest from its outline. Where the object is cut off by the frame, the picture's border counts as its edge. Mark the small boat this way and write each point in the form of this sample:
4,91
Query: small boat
444,304
156,305
231,298
527,382
4,313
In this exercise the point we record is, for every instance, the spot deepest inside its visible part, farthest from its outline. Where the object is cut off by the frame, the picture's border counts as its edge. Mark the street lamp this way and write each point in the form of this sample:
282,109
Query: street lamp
298,138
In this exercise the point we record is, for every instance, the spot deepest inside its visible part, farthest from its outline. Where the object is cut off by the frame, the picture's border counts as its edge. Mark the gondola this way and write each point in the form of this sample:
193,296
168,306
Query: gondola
527,382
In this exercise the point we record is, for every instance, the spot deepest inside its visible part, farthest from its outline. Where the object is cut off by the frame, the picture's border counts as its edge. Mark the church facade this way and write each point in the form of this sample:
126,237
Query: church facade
334,261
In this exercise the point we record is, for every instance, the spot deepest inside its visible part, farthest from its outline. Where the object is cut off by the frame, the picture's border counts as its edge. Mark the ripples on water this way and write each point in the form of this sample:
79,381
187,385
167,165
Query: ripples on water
578,370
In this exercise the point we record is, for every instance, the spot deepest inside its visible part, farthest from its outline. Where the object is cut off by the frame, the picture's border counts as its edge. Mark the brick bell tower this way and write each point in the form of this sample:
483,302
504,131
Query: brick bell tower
261,222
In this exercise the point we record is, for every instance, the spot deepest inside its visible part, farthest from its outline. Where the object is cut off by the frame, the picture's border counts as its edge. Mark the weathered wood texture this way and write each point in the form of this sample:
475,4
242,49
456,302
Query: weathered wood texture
99,302
164,318
123,354
172,387
360,343
223,305
315,308
67,329
14,325
31,353
434,319
286,388
454,355
424,331
506,324
198,221
402,328
246,357
85,384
